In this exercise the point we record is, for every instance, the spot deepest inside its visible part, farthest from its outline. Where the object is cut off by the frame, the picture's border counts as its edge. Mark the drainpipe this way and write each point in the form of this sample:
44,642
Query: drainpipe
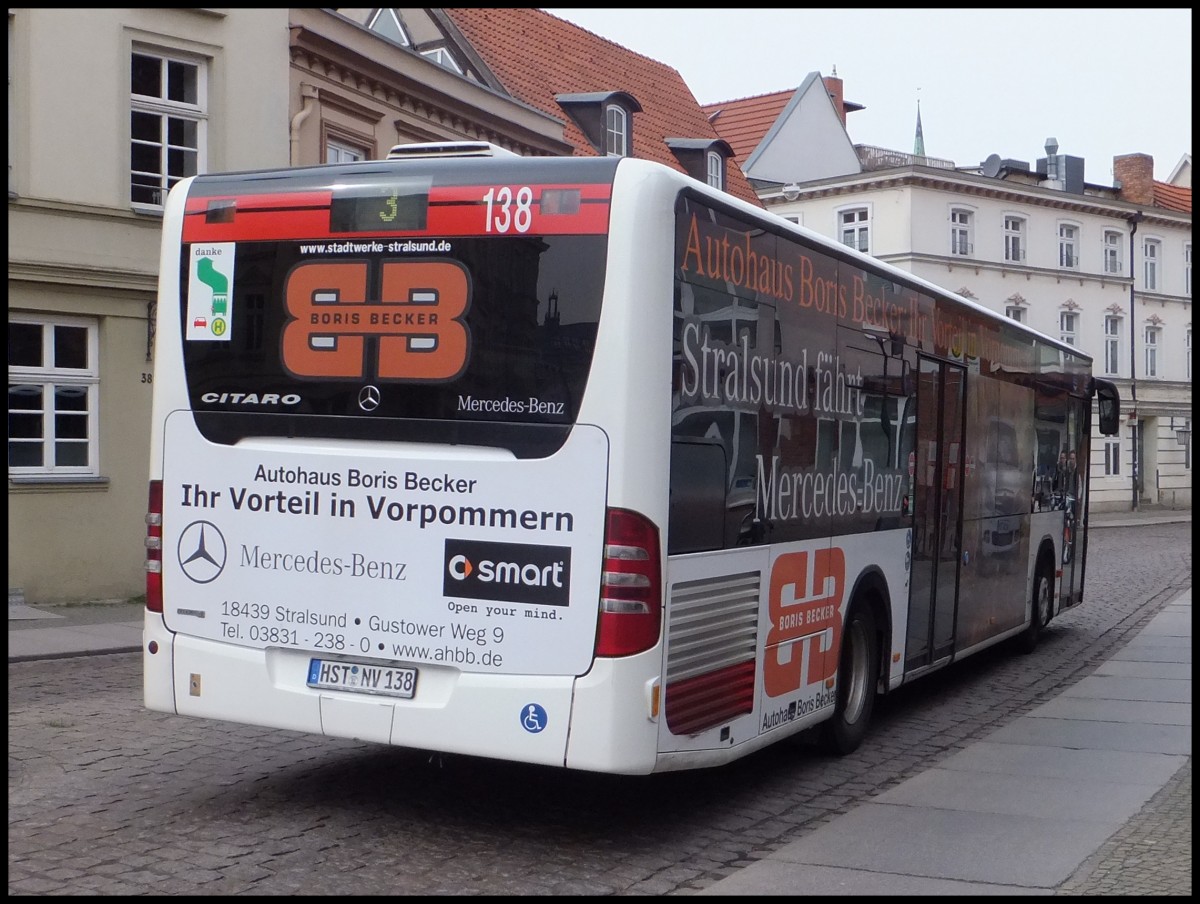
308,94
1133,426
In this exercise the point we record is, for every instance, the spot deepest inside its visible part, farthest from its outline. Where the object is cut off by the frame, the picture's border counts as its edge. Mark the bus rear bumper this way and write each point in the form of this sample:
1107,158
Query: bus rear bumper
158,691
519,717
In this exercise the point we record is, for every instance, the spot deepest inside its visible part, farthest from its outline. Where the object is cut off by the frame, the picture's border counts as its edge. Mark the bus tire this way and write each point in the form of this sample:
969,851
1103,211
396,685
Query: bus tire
858,673
1040,606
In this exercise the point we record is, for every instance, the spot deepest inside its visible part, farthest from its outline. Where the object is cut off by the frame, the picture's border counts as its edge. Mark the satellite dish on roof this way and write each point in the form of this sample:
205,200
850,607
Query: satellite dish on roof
991,166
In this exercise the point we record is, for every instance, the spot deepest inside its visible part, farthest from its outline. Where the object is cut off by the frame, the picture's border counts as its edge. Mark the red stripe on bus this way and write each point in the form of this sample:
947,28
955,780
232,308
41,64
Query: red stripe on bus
452,211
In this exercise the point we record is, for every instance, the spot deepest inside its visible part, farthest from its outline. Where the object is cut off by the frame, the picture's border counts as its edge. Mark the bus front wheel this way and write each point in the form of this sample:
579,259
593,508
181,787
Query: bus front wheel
858,673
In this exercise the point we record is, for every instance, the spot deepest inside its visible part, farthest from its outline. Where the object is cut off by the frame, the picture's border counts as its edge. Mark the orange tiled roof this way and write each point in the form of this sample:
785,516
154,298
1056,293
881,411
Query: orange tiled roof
536,56
745,122
1173,197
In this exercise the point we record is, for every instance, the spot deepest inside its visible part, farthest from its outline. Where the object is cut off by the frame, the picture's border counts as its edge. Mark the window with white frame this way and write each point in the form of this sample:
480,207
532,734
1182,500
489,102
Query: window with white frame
168,99
1014,238
1150,249
1187,351
443,58
616,131
715,168
387,23
1015,312
1068,246
53,395
1112,457
1068,326
341,152
1187,269
1113,243
1112,345
961,227
855,228
1151,339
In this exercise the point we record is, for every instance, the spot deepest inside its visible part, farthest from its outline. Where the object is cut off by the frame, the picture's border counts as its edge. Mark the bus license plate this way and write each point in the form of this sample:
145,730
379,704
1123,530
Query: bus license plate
329,674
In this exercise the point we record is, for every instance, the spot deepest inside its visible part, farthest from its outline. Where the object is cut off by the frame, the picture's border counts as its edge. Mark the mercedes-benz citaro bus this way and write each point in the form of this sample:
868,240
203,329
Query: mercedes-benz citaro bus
576,462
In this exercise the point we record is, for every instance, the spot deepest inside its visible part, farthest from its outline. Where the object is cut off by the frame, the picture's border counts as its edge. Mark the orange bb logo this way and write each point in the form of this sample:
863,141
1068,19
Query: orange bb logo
804,603
418,321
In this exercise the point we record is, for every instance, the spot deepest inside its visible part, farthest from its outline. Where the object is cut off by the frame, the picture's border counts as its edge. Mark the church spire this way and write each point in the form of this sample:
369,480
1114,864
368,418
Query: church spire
919,140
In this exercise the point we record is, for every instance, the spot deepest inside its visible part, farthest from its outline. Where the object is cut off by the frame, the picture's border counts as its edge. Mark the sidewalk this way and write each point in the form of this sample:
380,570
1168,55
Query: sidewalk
1031,808
1090,793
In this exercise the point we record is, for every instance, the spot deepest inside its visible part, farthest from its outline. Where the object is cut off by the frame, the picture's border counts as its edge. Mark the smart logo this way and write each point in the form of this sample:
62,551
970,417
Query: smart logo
507,572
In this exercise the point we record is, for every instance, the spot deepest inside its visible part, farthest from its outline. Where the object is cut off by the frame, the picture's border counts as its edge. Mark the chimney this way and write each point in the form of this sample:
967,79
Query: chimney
1135,173
833,86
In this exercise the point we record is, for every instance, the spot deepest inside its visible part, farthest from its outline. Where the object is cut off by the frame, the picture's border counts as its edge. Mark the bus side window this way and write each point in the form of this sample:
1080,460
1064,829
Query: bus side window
697,508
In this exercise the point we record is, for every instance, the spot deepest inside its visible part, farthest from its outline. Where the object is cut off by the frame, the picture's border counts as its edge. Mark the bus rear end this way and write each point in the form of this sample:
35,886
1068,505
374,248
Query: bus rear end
375,509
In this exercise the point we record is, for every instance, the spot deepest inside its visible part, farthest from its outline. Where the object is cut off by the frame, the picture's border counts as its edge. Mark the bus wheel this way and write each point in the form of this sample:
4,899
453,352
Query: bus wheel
858,672
1043,585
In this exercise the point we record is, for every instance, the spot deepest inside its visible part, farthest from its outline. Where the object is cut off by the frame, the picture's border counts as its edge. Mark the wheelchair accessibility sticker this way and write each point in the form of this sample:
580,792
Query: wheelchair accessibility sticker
533,718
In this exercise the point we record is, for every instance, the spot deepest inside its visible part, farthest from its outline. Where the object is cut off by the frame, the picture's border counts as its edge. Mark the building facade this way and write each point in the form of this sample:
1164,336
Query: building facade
154,95
1107,268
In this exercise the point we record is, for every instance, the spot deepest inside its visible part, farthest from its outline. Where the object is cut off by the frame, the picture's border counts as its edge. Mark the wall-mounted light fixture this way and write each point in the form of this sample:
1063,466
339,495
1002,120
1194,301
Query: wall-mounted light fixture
791,191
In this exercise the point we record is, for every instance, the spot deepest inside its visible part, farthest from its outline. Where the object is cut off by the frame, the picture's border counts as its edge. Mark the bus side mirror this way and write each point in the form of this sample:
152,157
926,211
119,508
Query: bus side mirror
1108,400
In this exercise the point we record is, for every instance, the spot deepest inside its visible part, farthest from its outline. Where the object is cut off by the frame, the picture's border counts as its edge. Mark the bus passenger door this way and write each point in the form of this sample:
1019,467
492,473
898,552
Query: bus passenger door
937,511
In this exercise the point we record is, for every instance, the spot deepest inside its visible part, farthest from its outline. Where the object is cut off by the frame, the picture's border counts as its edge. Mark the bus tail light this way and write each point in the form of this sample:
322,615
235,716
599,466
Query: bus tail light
630,586
154,597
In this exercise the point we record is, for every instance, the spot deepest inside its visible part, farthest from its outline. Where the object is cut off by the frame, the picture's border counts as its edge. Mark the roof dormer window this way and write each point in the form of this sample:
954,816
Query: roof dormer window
704,159
715,169
605,118
387,23
443,58
616,131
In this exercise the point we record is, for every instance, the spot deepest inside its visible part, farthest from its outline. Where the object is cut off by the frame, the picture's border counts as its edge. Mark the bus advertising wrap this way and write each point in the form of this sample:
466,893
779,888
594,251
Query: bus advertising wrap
485,565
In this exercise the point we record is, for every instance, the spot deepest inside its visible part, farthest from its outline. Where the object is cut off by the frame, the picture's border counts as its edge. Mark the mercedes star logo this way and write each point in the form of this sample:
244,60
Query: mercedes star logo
202,551
368,398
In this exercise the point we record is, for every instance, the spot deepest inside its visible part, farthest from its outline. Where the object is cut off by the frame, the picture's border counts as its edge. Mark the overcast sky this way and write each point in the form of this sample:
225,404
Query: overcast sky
990,81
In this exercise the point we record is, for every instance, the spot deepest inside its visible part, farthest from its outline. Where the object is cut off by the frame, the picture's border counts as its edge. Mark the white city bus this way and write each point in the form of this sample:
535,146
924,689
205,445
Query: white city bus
579,462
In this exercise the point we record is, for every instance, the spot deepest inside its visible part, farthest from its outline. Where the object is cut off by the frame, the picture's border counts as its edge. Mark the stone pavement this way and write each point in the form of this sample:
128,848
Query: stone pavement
1089,793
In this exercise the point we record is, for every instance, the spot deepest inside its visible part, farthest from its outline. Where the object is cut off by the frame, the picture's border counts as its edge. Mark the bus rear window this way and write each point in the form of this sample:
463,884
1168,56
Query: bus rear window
462,339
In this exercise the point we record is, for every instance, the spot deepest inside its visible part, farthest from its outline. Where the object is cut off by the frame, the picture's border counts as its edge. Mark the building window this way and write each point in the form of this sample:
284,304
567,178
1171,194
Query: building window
715,168
1112,457
616,131
1187,350
793,218
443,58
1014,239
341,152
1112,345
855,229
1113,243
53,390
961,240
1068,326
168,98
1150,257
1015,312
385,22
1068,246
1153,333
1187,269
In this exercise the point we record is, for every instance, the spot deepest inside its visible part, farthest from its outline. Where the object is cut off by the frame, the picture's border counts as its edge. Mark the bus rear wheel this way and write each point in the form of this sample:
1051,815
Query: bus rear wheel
1039,615
858,673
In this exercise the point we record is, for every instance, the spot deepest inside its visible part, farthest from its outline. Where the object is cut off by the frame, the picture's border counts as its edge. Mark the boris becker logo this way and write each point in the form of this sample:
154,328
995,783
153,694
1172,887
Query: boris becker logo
414,331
